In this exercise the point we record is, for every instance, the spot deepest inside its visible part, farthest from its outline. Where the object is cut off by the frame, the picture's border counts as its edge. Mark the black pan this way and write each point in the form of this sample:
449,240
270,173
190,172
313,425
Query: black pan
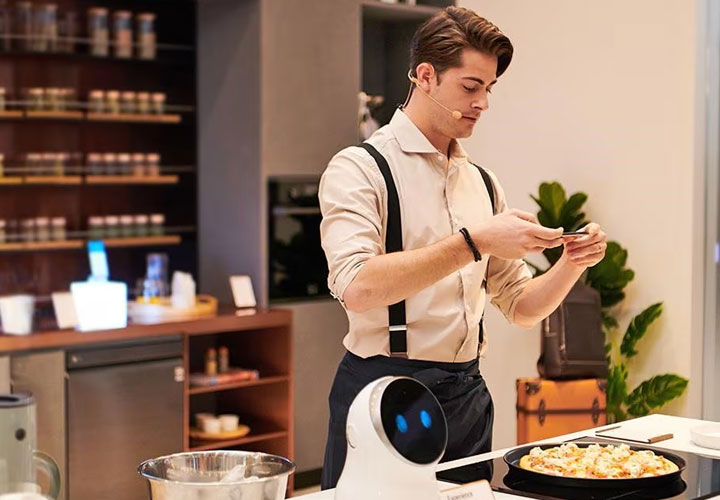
512,459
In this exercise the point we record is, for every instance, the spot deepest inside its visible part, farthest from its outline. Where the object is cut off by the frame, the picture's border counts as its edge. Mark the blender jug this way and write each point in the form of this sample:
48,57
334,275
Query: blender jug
18,457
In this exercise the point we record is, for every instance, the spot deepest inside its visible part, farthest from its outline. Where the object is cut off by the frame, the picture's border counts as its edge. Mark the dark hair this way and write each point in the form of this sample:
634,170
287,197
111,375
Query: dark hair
441,39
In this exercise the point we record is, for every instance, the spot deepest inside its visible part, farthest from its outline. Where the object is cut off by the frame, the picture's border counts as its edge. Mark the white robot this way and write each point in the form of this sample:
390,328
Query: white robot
396,435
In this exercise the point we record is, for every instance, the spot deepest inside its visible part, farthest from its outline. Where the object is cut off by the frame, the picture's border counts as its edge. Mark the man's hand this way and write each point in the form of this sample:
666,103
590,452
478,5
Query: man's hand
586,251
514,234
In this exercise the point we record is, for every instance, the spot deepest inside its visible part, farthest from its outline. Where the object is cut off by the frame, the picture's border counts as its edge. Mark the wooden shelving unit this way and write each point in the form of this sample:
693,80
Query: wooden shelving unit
142,241
265,405
133,118
54,115
10,114
129,242
70,180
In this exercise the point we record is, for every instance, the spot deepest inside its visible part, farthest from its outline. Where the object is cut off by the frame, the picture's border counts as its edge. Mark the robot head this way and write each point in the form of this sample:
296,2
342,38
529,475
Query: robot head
409,419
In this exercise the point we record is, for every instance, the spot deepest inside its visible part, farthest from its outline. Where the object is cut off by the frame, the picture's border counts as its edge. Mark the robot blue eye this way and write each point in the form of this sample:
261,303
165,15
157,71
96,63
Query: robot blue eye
401,424
426,419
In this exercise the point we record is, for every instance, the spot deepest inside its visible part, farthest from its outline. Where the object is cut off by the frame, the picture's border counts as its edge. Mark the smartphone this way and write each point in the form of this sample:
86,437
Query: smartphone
574,233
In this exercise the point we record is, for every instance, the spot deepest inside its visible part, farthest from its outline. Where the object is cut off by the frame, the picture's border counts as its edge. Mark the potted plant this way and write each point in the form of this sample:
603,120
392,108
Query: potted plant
609,278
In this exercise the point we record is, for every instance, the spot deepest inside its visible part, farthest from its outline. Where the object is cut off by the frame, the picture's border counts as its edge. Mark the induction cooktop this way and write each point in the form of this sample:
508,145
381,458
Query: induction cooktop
700,480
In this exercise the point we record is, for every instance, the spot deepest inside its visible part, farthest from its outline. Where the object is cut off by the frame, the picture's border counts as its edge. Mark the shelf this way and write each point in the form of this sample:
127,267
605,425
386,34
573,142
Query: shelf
42,245
142,241
126,179
80,244
382,11
133,118
54,115
258,432
53,179
11,114
237,385
11,180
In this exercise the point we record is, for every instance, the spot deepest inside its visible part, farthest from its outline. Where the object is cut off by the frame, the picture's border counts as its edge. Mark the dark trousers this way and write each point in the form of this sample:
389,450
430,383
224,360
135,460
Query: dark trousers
459,388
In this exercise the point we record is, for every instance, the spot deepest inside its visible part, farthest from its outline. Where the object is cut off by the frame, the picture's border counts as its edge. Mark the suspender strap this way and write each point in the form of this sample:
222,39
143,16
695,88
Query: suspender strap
393,243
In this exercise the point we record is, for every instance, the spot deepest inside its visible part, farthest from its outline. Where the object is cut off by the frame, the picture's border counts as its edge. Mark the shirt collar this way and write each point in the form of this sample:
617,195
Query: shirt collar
412,140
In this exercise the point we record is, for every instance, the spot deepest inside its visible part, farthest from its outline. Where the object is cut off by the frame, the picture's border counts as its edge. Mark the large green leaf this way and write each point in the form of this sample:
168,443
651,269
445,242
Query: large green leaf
616,391
609,321
637,328
570,216
654,393
610,276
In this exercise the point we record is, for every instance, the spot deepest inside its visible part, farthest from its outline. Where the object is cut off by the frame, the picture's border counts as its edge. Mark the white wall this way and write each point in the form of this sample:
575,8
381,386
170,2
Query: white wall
601,96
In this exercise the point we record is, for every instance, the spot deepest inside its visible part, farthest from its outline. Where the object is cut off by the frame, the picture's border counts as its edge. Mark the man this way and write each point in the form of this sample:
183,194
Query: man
416,235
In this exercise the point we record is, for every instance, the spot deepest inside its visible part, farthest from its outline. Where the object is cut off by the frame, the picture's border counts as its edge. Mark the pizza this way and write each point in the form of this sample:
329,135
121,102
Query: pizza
597,462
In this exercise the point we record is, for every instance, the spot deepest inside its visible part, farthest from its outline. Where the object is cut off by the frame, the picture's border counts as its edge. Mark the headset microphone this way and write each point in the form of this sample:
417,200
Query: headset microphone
455,113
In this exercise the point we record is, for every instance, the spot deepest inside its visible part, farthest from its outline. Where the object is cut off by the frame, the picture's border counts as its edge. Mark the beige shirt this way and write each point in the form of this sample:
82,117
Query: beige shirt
436,200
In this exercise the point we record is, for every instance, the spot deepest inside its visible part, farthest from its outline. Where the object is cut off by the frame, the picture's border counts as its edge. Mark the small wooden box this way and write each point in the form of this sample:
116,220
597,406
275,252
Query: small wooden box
547,408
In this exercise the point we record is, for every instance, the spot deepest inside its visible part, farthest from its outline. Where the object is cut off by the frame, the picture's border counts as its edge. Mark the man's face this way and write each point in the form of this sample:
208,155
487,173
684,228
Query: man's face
464,89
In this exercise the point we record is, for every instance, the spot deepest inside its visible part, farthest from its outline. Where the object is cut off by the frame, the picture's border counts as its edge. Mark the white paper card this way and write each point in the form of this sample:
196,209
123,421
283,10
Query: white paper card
479,490
242,291
64,310
634,434
100,305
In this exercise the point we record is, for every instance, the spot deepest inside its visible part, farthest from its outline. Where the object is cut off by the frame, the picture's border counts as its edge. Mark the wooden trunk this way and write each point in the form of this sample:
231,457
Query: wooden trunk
547,408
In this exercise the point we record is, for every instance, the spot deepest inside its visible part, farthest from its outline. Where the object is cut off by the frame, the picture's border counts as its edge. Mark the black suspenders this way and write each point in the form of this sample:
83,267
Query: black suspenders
393,243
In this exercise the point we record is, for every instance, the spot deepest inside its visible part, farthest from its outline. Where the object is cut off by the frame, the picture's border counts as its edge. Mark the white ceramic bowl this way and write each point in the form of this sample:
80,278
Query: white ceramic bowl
706,435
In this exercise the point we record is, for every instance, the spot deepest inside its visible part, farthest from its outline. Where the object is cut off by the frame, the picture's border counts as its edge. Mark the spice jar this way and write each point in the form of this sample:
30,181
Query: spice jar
143,103
211,367
158,103
112,226
98,31
47,163
27,229
96,227
123,164
95,164
112,101
141,225
42,228
157,221
24,25
152,165
52,99
146,35
138,165
59,163
3,233
110,163
66,98
68,32
96,101
122,22
3,100
223,359
48,32
36,99
128,102
127,223
58,228
2,165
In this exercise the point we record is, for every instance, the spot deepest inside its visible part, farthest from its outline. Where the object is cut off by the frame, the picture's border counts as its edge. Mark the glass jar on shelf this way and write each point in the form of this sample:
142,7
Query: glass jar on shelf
58,228
141,225
60,163
110,164
3,99
112,226
122,22
33,163
157,224
42,229
146,42
3,233
152,165
143,103
98,31
52,99
123,164
96,227
66,98
27,230
48,30
127,226
68,29
96,101
138,165
2,165
47,165
112,101
128,102
158,103
95,164
35,98
24,25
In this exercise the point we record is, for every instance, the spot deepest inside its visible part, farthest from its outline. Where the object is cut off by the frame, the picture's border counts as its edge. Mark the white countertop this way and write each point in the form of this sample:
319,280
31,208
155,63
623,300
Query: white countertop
659,424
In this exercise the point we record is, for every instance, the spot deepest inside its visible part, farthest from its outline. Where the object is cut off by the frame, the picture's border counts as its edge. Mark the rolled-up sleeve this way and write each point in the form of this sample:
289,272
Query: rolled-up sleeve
506,278
351,230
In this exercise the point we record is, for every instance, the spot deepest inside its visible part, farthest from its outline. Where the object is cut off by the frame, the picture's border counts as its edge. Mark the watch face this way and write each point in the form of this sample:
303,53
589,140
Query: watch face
413,421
